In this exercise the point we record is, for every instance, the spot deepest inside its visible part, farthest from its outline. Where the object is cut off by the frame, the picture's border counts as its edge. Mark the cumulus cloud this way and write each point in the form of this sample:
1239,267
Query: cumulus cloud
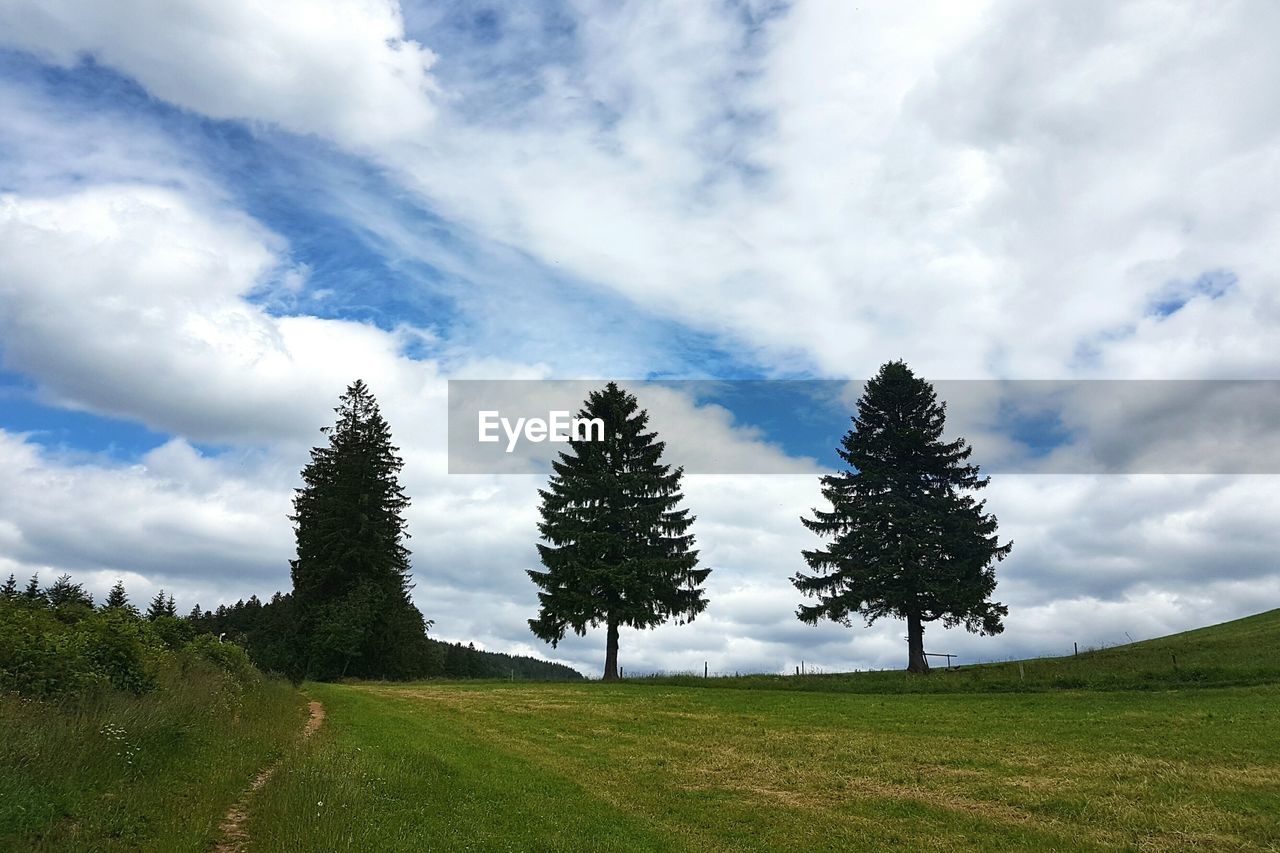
822,186
338,68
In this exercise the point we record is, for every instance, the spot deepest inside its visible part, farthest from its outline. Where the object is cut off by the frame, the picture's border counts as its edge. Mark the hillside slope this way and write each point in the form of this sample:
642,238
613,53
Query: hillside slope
1237,653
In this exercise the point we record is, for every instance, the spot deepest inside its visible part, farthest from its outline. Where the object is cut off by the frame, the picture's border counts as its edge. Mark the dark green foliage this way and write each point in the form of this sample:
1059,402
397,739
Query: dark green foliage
70,650
351,604
118,599
265,632
10,590
228,657
617,550
161,605
908,539
33,594
173,632
66,597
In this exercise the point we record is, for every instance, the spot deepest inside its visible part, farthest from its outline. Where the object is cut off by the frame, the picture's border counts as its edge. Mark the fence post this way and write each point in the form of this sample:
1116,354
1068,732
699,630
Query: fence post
704,669
1075,648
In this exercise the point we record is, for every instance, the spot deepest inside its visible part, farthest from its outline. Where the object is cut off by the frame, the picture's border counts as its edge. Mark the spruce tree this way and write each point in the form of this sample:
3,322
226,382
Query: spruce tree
617,550
63,592
171,607
118,599
159,607
354,615
33,594
10,590
909,540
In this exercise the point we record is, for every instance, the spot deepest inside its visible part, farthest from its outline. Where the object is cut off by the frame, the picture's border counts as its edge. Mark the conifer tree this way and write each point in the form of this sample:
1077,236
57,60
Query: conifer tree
171,607
159,607
118,599
10,590
909,540
196,613
351,602
33,594
616,548
63,592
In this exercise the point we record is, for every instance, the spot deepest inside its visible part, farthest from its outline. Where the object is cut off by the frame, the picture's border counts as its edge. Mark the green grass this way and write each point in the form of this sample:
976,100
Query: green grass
151,772
648,767
1113,749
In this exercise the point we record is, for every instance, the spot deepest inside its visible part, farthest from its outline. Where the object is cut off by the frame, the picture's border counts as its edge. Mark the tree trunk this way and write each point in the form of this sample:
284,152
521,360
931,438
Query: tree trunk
916,661
611,651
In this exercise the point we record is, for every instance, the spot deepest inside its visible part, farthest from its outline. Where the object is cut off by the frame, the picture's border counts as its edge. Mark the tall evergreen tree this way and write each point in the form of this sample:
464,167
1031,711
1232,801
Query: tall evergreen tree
617,550
63,592
908,538
118,599
159,607
171,607
10,590
33,594
354,615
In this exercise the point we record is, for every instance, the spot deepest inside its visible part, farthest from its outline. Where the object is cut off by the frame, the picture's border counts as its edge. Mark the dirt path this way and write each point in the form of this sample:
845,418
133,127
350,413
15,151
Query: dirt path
233,835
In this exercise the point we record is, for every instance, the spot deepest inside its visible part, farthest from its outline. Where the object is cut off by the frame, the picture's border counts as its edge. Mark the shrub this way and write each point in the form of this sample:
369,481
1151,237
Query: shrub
227,656
69,652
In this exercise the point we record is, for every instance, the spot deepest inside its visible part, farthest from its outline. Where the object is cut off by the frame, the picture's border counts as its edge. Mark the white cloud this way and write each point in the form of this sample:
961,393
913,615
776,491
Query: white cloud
338,68
995,189
836,186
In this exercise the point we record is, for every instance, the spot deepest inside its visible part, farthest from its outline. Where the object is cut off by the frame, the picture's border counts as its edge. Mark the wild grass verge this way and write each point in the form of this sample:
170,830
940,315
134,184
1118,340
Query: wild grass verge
114,770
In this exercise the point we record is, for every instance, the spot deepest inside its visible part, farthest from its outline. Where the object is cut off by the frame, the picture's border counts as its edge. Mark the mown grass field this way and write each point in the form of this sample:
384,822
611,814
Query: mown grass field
1149,758
1142,757
642,767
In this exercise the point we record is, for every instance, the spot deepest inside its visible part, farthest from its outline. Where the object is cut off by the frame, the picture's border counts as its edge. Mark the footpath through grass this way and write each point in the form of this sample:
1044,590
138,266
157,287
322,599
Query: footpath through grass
151,772
646,767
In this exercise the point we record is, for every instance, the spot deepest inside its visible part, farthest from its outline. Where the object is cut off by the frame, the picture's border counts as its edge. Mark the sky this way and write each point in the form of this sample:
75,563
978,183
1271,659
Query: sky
216,215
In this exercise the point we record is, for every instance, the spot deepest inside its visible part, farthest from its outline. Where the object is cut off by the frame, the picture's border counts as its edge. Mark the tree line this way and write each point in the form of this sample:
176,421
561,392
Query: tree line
904,537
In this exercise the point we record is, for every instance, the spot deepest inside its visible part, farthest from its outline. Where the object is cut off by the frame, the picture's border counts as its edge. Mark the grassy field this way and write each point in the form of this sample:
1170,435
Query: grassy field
153,772
1167,744
1114,749
645,767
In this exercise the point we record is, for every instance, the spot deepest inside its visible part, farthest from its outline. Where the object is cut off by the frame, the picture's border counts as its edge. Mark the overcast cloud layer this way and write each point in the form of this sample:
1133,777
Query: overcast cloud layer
213,216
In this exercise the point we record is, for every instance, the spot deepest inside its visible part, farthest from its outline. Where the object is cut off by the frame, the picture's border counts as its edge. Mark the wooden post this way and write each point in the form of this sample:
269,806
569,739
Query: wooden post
1075,648
1175,660
704,669
1022,675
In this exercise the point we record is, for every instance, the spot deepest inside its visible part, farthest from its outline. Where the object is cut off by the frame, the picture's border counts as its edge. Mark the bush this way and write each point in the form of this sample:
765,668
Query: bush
227,656
173,632
68,653
41,656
